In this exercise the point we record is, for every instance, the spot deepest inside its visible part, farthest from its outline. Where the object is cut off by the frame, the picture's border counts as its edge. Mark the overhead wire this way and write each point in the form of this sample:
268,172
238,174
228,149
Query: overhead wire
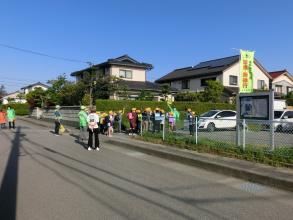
43,54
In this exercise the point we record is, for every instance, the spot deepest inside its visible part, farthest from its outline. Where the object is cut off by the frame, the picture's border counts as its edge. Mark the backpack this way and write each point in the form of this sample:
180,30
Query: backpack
130,116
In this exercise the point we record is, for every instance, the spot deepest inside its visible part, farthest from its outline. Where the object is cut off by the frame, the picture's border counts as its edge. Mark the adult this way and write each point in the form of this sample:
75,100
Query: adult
158,120
82,115
58,118
93,129
146,117
11,117
2,118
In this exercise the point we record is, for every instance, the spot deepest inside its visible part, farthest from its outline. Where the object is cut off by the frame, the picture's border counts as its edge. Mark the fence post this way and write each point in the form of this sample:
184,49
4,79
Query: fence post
196,120
163,129
243,134
272,134
141,127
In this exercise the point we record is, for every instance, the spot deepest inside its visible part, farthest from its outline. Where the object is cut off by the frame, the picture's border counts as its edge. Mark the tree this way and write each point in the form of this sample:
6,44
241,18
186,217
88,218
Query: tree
36,98
2,91
21,96
145,96
106,86
165,90
54,92
188,96
213,91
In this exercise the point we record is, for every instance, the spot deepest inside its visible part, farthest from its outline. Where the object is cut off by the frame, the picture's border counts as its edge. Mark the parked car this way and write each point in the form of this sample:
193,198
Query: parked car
283,120
217,119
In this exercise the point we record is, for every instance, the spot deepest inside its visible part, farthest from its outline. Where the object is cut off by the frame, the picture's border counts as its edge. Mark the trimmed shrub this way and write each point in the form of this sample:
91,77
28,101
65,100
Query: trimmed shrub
20,108
198,107
289,101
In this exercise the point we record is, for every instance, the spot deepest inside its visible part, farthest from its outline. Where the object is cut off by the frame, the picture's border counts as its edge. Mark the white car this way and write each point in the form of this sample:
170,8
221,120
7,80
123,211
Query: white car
217,119
283,120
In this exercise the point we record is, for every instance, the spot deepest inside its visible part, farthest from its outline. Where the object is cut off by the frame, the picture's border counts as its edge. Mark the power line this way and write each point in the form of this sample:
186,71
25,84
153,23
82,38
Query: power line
43,54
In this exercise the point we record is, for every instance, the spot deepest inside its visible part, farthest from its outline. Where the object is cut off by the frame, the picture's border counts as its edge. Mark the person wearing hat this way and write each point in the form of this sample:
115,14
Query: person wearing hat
176,115
132,117
82,115
118,119
138,122
146,117
58,118
158,120
191,122
109,119
11,117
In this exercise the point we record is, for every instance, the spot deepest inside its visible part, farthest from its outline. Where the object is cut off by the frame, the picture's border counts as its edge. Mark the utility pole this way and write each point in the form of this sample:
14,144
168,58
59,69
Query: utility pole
91,83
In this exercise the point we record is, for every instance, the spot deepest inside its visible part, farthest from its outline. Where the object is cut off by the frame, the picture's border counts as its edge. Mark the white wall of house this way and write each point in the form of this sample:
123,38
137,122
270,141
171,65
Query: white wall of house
137,74
283,81
194,84
234,70
12,96
27,90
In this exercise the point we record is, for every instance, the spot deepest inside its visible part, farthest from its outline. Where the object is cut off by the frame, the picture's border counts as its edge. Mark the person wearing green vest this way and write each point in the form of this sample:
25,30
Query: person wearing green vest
176,115
11,117
82,124
58,118
138,122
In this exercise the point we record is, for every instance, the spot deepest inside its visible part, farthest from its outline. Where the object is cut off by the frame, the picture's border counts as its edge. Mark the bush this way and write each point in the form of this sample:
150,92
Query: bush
289,101
20,109
198,107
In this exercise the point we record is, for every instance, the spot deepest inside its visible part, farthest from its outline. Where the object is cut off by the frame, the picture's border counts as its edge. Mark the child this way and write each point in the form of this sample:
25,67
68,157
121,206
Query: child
109,120
171,120
2,118
132,117
138,122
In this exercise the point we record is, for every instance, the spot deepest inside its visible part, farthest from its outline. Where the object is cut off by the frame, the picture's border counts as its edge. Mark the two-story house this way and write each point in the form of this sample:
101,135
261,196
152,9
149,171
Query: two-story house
282,82
226,70
131,72
32,87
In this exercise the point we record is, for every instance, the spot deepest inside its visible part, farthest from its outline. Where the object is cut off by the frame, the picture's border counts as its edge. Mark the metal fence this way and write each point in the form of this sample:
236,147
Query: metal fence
228,132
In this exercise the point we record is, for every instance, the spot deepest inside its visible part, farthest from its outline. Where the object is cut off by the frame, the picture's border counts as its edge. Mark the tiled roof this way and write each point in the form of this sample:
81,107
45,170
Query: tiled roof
208,68
276,74
124,60
35,84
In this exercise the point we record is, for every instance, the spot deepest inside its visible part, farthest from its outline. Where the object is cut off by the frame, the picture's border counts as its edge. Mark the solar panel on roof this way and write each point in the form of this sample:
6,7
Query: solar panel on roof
217,63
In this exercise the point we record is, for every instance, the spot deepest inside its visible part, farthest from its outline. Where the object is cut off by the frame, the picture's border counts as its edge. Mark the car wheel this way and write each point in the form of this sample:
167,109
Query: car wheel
211,127
279,128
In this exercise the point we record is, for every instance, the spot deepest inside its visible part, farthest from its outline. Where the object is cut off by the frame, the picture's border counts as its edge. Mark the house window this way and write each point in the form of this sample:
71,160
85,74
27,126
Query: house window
278,89
260,84
203,82
233,80
185,84
126,74
289,89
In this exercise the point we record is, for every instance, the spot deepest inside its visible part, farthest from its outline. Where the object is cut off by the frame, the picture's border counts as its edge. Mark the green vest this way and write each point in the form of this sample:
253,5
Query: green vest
82,118
11,114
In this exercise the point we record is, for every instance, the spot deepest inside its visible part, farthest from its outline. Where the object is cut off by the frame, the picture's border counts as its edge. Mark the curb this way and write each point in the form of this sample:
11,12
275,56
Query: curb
226,166
207,164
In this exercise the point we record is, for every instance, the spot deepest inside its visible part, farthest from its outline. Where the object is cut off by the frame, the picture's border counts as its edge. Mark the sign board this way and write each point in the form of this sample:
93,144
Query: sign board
256,106
246,71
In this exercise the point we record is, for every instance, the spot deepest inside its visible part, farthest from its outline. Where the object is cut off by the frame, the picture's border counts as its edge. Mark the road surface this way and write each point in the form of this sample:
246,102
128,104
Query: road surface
47,177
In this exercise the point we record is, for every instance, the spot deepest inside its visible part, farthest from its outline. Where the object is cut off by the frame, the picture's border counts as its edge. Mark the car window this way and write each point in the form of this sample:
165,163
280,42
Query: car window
278,114
289,114
227,114
209,114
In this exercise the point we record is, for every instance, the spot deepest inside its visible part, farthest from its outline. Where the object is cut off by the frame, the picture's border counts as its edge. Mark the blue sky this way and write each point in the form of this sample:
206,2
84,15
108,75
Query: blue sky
167,33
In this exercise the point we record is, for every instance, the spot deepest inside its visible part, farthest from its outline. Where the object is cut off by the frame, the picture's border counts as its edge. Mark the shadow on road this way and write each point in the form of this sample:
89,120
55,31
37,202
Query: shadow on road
8,190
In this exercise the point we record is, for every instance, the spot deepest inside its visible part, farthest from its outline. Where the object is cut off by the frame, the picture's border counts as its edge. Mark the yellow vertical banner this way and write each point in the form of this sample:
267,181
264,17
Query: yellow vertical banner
246,71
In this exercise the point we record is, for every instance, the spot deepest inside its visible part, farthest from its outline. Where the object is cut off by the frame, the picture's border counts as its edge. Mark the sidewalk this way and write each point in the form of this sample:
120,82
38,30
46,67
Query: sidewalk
277,177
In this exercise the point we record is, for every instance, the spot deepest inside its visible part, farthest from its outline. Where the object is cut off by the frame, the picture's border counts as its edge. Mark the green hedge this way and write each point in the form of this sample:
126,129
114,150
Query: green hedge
290,101
198,107
20,109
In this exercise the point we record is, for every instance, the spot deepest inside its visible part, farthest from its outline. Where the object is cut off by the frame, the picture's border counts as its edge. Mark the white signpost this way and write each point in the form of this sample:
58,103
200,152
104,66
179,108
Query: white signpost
254,106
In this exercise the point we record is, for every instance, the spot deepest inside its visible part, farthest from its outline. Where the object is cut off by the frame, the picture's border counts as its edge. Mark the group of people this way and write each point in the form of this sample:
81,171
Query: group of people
93,123
7,116
151,120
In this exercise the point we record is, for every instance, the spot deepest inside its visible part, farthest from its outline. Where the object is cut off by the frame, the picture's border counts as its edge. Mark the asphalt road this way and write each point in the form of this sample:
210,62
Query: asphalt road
48,177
